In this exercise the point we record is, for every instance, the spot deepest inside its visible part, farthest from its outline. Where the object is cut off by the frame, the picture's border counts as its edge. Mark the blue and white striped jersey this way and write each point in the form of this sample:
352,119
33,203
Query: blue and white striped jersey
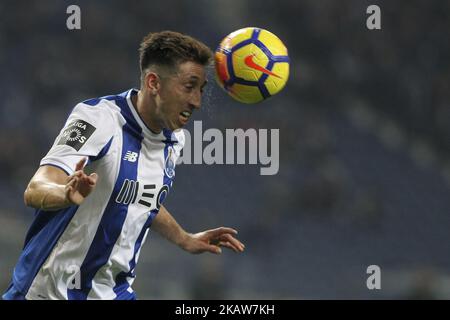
90,251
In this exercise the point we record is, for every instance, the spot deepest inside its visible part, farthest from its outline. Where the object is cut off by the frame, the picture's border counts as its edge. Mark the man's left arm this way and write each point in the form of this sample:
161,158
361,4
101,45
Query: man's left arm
205,241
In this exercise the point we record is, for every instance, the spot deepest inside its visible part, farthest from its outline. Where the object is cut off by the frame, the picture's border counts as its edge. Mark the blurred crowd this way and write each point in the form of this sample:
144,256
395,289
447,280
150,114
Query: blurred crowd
347,195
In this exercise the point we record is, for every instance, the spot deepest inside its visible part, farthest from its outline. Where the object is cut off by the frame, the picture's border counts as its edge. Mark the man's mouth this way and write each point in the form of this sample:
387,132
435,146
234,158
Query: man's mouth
184,116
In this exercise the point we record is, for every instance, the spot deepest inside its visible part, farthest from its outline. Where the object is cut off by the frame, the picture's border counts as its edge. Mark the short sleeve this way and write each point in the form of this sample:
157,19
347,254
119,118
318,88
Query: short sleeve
86,132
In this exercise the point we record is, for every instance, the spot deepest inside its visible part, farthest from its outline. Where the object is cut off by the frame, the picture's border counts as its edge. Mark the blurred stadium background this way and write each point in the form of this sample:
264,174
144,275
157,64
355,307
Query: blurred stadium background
364,143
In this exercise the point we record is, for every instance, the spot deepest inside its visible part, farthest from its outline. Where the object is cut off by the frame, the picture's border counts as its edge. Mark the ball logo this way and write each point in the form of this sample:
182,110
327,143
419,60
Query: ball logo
253,65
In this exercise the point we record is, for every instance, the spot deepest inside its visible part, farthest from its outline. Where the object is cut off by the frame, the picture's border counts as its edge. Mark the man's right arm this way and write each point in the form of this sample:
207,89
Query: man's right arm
52,189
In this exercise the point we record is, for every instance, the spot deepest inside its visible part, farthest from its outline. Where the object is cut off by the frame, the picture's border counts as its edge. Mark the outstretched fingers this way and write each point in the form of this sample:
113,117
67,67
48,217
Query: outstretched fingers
222,230
231,242
93,178
214,249
73,182
228,245
80,164
71,187
224,237
84,178
202,246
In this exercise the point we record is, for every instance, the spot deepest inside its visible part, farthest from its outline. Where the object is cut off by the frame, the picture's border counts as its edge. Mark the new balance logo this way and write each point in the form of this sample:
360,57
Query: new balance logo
129,192
130,156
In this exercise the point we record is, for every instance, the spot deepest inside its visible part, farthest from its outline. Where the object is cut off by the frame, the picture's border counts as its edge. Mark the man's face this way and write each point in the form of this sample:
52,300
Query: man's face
181,94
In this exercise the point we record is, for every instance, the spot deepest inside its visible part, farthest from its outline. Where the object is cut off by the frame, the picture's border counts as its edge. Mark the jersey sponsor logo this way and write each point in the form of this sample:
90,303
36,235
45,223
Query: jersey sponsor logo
76,134
129,193
130,156
163,192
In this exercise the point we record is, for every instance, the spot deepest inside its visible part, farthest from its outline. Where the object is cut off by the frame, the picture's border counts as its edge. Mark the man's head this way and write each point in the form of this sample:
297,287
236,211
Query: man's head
172,77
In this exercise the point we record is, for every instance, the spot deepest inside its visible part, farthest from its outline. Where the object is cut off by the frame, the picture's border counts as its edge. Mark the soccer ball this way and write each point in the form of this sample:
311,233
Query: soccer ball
252,64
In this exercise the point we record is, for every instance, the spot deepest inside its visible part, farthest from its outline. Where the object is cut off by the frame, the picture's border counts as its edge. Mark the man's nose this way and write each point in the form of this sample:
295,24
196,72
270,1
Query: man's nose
196,100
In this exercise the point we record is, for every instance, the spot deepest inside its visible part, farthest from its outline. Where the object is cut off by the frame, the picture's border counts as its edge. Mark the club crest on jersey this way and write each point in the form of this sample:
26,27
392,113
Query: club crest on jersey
170,163
76,134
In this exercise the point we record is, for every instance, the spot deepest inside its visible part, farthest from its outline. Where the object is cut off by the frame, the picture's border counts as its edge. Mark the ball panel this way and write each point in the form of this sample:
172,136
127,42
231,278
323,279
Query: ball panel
275,84
245,93
236,37
221,67
240,66
273,43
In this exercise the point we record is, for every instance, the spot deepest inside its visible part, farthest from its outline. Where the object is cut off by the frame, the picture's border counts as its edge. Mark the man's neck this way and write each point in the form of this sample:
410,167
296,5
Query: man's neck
144,109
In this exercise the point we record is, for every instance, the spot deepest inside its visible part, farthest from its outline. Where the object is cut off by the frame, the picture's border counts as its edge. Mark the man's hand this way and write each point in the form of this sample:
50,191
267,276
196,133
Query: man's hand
212,241
206,241
51,189
79,185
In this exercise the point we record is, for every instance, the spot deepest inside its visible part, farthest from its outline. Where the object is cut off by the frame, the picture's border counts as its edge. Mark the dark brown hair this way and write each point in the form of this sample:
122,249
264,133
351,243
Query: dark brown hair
169,49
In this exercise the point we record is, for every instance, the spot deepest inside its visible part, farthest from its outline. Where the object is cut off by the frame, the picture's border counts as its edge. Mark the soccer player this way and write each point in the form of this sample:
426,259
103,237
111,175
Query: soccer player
102,184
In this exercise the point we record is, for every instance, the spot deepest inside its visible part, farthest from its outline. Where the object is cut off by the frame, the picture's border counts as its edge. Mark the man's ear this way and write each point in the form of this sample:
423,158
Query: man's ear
152,82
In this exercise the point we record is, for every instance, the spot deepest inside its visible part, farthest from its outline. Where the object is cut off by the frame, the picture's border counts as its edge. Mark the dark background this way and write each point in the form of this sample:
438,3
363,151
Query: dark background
364,143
